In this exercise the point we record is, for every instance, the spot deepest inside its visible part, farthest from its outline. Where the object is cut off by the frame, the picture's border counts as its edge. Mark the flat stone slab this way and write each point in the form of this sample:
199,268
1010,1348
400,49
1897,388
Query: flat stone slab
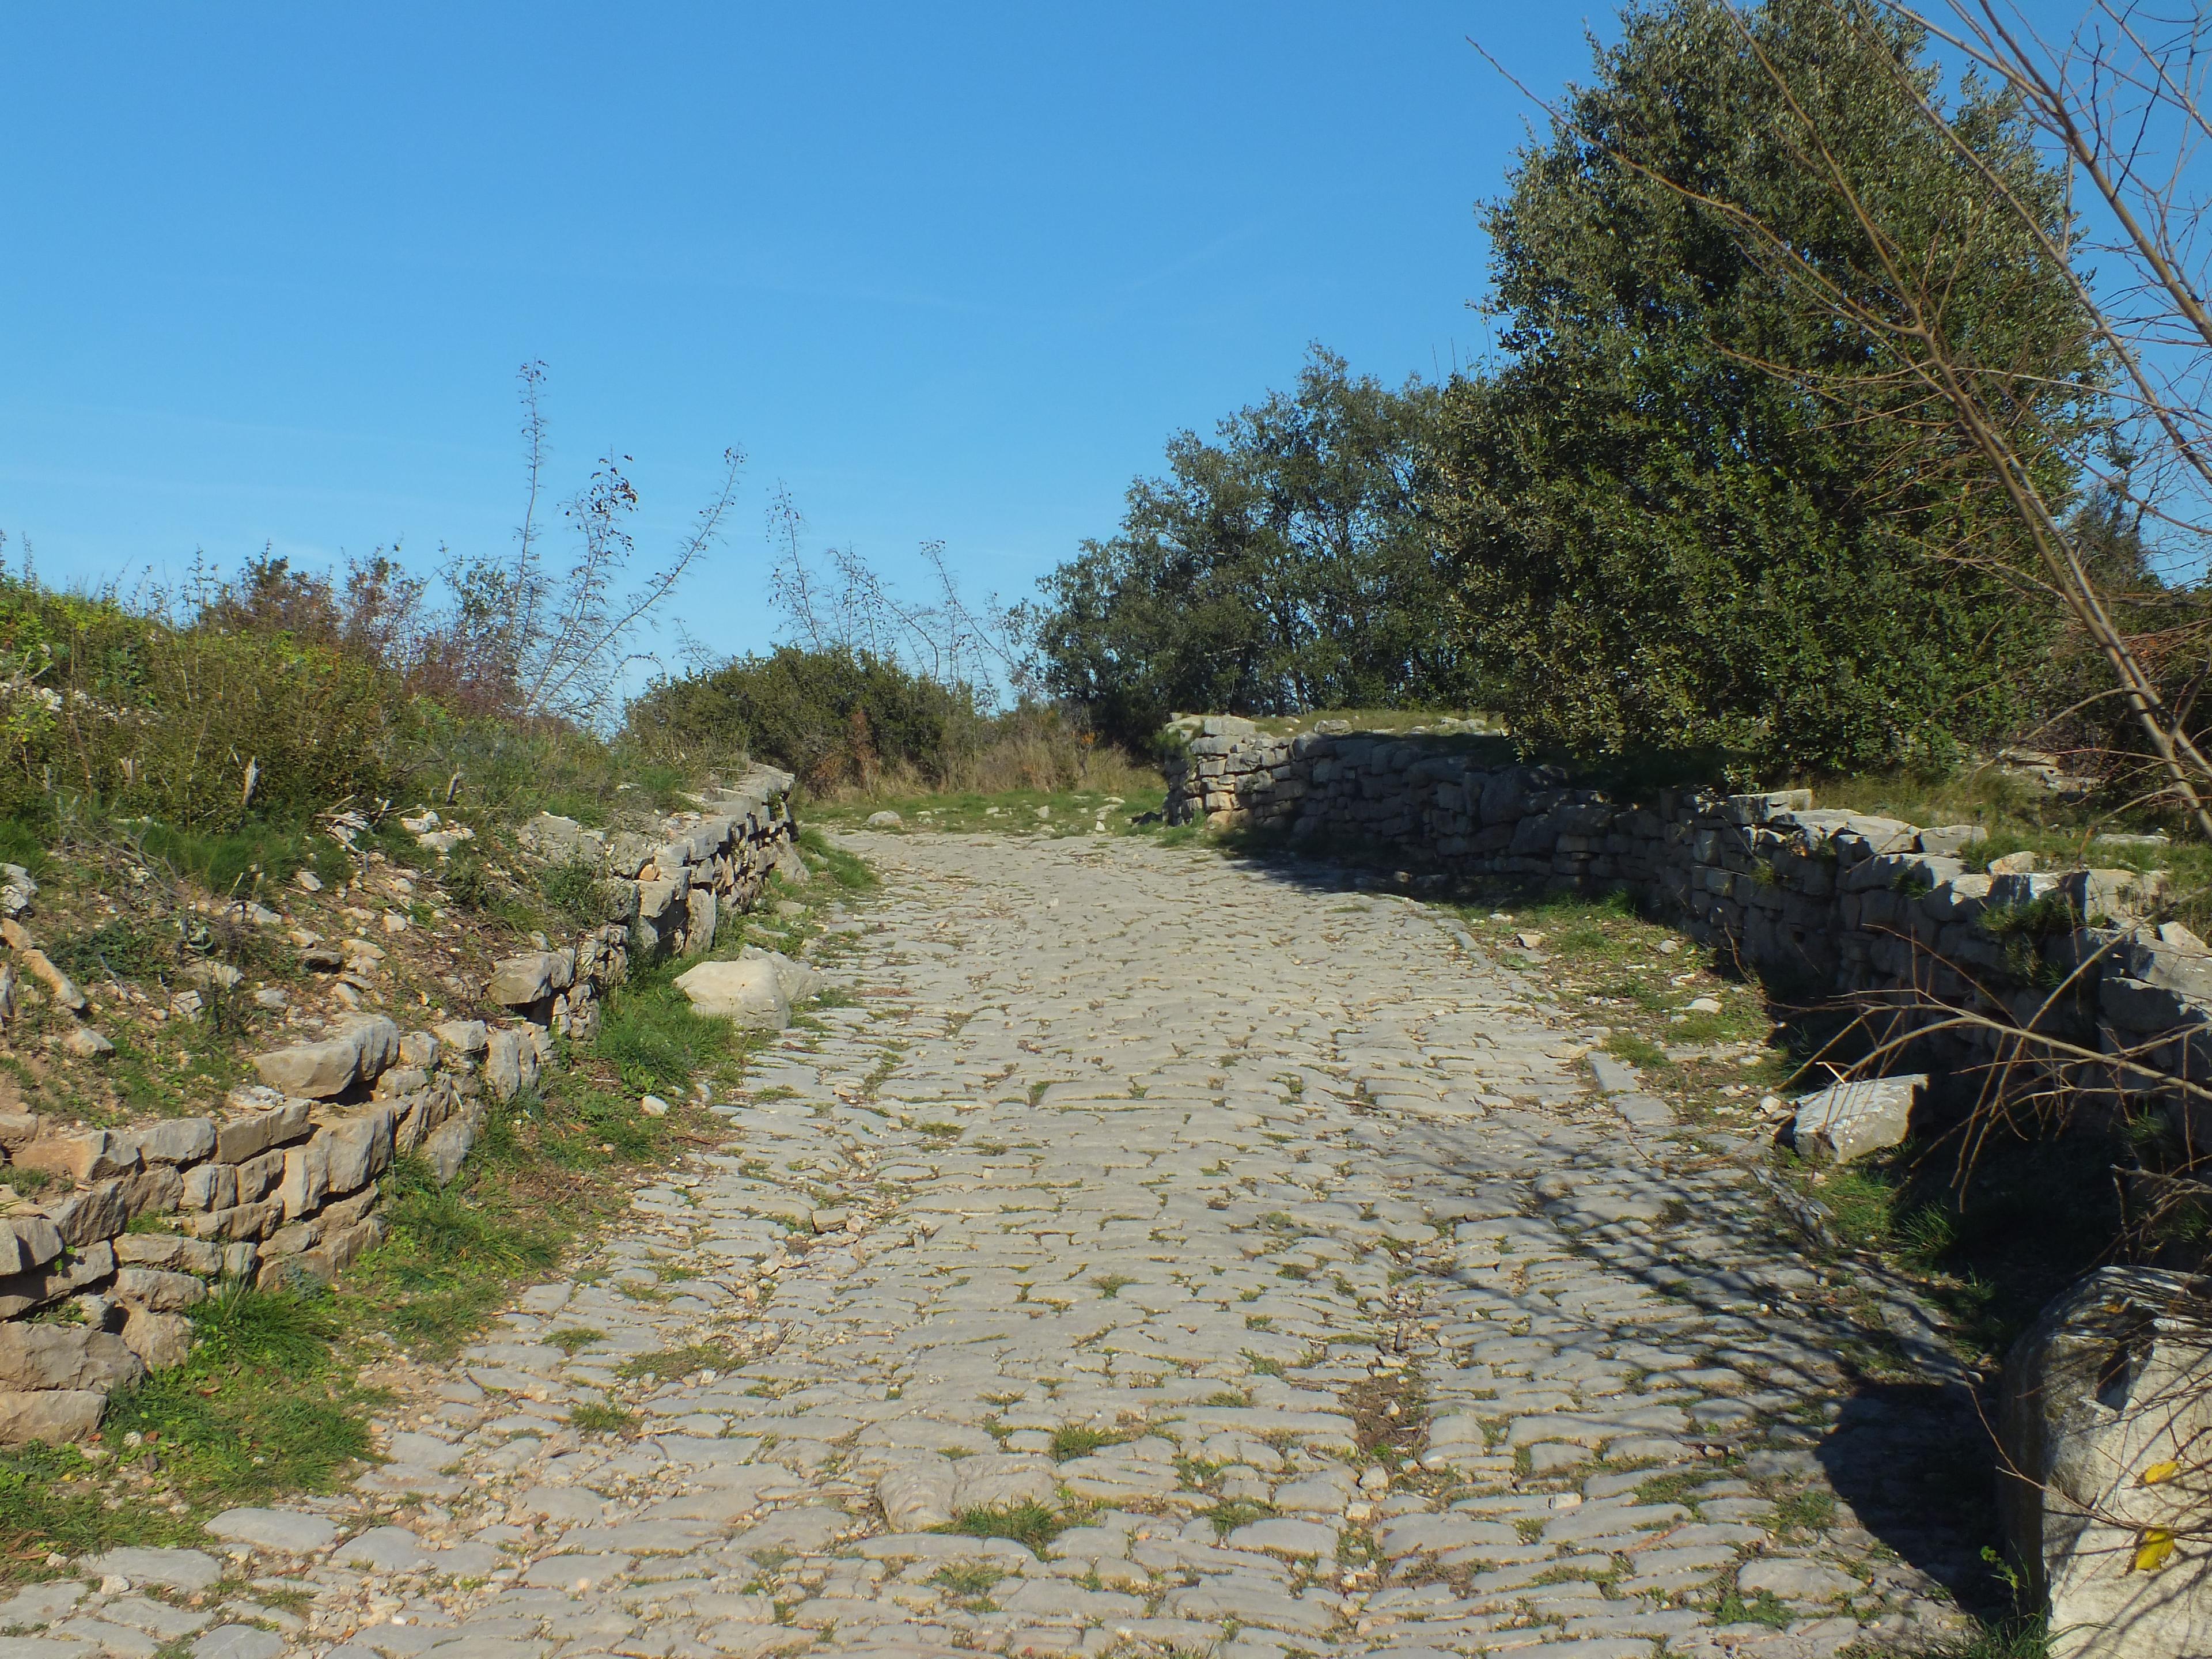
184,1570
239,1641
1849,1120
290,1530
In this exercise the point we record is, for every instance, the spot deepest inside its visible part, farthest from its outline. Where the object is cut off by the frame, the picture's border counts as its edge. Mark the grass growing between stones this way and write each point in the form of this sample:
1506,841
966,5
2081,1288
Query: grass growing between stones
1072,1440
1991,1638
1028,1522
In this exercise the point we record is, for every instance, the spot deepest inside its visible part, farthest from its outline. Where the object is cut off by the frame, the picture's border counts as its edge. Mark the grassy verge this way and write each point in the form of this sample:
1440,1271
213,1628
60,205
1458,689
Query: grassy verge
1014,811
270,1402
1696,1032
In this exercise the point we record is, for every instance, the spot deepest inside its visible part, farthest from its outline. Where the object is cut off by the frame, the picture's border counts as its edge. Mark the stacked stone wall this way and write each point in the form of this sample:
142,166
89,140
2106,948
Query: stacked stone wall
137,1224
1819,900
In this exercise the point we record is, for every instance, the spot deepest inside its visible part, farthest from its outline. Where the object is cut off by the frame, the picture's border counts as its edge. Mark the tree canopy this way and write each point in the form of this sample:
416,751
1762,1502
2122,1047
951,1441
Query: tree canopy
1688,510
1282,567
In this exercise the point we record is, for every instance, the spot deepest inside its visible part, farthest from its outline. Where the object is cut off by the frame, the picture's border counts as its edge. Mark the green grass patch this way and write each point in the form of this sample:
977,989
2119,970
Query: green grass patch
1233,1513
592,1417
263,1407
652,1038
573,1340
1766,1609
1072,1440
248,859
1028,1522
847,871
667,1364
967,1577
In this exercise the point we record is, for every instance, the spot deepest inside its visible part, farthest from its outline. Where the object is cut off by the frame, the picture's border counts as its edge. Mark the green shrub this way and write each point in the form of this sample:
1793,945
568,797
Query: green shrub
833,717
1659,546
198,728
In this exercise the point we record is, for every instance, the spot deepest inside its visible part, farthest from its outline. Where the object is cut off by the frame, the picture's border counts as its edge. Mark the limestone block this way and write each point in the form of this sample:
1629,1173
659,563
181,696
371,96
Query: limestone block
464,1041
27,1242
445,1147
154,1190
91,1157
161,1340
49,1416
320,1071
255,1220
169,1250
510,1064
2106,1412
522,981
699,933
1849,1120
552,836
294,1237
164,1292
242,1138
258,1174
176,1140
419,1049
748,990
37,1355
305,1181
97,1212
210,1186
19,1129
73,1271
357,1152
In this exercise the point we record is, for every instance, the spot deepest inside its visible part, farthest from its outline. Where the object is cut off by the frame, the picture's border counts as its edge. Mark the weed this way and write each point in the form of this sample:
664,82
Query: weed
1765,1609
1111,1284
669,1364
29,1182
1809,1509
652,1038
846,869
1229,1516
1072,1440
1028,1522
592,1416
574,1339
966,1578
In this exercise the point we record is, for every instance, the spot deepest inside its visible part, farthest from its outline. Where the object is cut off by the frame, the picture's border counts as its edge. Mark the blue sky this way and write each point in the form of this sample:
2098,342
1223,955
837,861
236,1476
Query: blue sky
950,272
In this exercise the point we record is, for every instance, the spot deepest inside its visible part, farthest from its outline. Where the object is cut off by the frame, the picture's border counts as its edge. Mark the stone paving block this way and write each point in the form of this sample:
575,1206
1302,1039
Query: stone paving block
1129,1141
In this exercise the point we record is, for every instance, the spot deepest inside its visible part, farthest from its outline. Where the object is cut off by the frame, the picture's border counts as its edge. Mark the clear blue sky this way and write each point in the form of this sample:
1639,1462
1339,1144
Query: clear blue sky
948,271
952,272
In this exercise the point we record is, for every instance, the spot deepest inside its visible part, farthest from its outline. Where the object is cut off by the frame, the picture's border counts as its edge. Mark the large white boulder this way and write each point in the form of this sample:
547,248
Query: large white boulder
748,991
800,981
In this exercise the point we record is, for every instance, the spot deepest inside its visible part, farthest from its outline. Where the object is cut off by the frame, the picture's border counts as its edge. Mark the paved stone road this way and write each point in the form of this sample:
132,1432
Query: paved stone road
1265,1227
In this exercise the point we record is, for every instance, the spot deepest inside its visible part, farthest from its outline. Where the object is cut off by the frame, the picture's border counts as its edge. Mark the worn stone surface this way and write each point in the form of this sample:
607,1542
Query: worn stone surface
1142,1187
1847,1120
2108,1409
749,992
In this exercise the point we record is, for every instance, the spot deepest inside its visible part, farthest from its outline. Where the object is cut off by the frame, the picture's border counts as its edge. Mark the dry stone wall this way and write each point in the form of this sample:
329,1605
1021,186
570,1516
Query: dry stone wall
1819,899
137,1224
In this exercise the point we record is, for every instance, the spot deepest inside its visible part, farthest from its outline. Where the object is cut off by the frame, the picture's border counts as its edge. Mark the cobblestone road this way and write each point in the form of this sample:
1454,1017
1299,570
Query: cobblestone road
1264,1230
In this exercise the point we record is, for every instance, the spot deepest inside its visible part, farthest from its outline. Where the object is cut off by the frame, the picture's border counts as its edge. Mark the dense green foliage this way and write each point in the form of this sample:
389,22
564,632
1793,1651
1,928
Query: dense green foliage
1694,506
832,716
101,702
1281,568
1691,510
